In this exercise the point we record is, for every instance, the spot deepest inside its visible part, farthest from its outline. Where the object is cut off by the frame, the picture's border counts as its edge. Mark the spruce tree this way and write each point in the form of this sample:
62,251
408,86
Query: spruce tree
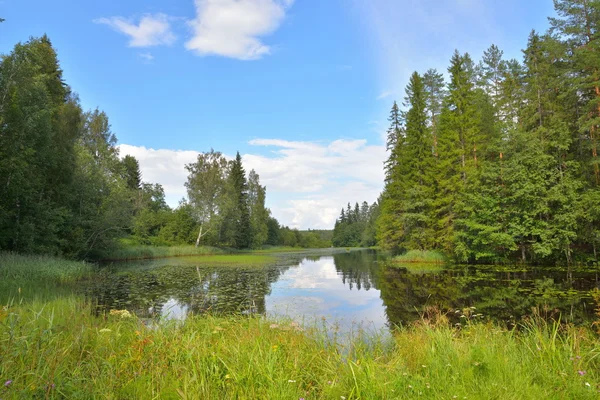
240,215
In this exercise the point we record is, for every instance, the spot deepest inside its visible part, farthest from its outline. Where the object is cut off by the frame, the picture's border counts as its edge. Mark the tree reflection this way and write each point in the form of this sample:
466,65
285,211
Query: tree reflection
199,290
504,294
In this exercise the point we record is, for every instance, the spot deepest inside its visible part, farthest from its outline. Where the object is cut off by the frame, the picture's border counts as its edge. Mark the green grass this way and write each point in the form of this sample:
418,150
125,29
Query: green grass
421,256
22,269
234,259
418,267
59,350
148,252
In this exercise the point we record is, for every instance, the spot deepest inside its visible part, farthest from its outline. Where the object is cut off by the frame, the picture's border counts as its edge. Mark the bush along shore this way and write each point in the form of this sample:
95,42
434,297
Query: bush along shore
60,350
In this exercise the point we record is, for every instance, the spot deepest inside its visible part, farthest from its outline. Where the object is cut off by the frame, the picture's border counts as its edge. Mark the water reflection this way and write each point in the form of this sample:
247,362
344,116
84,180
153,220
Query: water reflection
315,291
348,290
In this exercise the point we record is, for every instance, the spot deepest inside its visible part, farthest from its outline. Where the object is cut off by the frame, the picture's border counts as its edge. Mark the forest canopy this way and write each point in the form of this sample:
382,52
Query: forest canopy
500,162
66,190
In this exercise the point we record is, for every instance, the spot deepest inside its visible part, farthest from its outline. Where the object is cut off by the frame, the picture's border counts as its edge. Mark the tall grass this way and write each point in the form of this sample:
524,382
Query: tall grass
59,350
23,268
421,256
149,252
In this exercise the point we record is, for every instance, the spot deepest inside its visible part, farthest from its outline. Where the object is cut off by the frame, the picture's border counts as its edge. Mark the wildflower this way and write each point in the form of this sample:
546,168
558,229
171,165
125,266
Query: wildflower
588,384
329,383
275,347
342,397
582,373
291,381
8,383
121,313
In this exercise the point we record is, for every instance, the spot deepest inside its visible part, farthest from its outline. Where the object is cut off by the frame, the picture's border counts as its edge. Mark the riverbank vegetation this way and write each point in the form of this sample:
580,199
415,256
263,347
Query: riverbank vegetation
66,190
499,164
19,269
356,227
60,350
421,256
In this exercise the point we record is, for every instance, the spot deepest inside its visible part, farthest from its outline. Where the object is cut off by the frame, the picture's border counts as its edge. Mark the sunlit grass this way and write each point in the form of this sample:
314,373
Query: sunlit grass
148,252
22,269
60,350
421,256
418,267
233,259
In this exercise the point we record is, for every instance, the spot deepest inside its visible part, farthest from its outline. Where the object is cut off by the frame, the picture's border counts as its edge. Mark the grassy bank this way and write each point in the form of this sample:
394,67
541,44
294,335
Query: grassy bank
23,269
60,351
421,256
149,252
137,252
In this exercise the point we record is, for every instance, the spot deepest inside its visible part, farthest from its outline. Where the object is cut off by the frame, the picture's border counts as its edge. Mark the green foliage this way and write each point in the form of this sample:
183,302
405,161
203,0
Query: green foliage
421,256
18,269
356,227
65,189
246,357
131,172
130,251
501,165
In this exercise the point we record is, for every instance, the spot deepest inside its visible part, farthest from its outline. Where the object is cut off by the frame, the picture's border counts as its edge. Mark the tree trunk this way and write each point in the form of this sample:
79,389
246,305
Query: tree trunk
199,235
594,148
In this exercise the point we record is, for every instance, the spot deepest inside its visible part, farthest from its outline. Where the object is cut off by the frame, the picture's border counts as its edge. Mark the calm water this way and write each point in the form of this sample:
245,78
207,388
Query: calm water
345,290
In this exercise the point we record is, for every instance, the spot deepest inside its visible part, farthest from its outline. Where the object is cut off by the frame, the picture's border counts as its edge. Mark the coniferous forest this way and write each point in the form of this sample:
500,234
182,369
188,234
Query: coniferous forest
500,162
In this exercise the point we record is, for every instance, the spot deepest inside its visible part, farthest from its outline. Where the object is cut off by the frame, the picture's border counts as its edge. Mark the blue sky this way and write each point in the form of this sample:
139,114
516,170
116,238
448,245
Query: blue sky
302,88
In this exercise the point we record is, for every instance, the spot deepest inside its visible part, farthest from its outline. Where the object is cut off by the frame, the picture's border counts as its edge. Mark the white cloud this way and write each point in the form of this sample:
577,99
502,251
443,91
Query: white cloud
307,182
163,166
384,95
147,57
152,30
233,28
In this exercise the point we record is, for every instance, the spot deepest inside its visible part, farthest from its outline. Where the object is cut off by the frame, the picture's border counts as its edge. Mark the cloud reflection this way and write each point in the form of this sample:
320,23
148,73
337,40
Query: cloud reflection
315,290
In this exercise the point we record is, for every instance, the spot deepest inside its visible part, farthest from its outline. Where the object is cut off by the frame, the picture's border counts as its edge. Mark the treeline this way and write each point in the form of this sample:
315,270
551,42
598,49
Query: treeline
230,208
64,189
501,162
356,227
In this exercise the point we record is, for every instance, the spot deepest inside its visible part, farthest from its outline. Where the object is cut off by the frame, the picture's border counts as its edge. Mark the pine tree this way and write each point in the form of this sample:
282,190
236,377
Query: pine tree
259,214
131,172
240,215
578,23
415,170
436,92
394,138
